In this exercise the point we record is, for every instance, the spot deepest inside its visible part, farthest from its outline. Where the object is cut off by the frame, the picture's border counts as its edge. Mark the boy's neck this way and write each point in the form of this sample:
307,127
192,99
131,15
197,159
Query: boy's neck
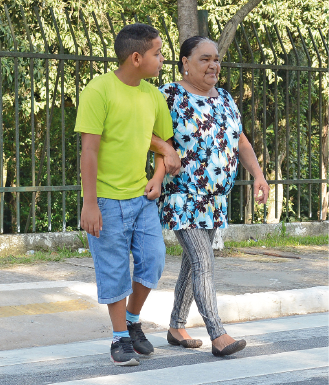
128,76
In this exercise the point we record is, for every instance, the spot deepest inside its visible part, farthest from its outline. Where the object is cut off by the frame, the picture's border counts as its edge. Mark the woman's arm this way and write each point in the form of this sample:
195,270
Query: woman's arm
249,161
170,157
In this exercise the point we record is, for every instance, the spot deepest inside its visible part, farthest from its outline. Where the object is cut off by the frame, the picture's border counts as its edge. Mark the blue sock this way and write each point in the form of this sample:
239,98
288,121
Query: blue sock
118,335
132,317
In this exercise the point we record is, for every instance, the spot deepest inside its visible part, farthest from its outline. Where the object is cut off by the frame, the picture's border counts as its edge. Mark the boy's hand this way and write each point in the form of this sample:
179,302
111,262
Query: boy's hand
91,219
153,189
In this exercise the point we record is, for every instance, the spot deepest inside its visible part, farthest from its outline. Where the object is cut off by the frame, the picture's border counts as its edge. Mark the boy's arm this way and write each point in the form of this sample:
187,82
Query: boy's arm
153,187
91,217
170,157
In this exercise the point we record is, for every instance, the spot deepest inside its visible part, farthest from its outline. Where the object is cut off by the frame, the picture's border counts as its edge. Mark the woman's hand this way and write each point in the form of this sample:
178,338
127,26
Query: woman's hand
261,186
170,157
172,162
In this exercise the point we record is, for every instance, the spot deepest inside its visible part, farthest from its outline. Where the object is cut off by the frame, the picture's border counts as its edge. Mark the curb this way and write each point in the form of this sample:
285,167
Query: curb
245,307
232,308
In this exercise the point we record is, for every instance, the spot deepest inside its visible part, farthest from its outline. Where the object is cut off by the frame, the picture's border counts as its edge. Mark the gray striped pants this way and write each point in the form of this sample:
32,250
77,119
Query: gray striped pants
196,280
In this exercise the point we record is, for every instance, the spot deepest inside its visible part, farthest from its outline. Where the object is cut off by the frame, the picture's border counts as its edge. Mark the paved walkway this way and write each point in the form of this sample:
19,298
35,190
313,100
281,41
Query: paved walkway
56,303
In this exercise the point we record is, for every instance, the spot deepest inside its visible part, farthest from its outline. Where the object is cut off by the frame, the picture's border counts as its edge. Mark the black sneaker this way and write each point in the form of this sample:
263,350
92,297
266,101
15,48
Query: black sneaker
123,354
140,343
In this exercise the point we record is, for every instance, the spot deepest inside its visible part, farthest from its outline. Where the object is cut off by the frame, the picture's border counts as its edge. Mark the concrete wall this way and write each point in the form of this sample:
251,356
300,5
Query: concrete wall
15,244
259,231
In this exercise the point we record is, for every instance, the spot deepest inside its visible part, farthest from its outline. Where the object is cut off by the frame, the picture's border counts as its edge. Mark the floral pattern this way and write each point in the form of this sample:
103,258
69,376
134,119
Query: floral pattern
206,137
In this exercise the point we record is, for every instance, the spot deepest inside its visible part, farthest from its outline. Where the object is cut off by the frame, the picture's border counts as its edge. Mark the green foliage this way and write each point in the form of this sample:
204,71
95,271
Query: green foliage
45,95
54,93
42,256
174,250
83,239
281,241
283,229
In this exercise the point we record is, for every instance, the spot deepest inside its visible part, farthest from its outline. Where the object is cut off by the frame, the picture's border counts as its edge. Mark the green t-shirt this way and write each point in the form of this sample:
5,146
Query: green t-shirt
125,117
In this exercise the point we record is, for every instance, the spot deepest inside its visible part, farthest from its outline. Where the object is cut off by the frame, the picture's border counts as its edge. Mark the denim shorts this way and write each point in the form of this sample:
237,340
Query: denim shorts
130,225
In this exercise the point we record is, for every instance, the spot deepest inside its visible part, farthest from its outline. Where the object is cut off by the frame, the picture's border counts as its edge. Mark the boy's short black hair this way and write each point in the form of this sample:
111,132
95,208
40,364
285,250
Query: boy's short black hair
134,38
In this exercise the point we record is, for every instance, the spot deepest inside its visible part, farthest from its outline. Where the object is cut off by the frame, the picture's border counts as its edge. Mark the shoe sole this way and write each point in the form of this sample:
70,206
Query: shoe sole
143,354
230,349
188,344
131,362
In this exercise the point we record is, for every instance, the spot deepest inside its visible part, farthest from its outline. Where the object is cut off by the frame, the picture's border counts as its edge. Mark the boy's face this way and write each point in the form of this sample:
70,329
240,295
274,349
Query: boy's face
152,60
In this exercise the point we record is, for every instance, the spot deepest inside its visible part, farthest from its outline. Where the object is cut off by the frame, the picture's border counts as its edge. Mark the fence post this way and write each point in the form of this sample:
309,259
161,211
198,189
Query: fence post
203,22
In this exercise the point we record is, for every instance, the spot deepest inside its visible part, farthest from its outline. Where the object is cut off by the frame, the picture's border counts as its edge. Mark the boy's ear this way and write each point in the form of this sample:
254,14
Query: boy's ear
136,59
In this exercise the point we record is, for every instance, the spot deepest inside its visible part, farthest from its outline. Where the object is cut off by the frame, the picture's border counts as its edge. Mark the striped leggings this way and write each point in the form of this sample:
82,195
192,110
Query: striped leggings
196,280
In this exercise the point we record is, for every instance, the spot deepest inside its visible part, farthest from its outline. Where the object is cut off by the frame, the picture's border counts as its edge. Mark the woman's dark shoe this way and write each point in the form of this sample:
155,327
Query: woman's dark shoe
186,343
229,349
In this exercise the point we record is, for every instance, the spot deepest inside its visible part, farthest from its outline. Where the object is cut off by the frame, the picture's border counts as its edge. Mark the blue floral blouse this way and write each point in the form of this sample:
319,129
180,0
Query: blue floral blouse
206,137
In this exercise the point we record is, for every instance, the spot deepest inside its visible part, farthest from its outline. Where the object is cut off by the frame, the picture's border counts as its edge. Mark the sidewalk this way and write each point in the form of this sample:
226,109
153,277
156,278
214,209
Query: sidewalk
55,303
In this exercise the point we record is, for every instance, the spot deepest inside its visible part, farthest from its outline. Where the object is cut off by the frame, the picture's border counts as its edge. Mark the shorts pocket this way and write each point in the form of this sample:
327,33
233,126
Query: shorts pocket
101,202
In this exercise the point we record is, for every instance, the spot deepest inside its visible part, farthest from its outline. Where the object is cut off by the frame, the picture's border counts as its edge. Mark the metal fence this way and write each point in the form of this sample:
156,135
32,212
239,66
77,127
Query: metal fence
46,59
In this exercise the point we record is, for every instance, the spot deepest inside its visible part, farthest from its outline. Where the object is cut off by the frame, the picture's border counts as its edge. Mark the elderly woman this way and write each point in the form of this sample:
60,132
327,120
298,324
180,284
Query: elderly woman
209,140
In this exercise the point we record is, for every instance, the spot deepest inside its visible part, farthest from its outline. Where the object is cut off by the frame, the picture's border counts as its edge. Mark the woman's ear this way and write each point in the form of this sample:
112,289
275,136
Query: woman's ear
185,63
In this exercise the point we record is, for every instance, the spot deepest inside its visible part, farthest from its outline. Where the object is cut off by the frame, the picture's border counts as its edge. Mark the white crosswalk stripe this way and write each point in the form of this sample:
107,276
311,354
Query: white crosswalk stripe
285,351
221,370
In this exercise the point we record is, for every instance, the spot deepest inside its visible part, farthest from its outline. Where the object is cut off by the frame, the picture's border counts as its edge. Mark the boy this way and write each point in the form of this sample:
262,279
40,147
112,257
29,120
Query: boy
117,115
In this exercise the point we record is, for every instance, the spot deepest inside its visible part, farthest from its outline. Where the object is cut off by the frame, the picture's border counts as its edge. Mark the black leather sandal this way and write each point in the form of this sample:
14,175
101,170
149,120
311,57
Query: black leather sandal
185,343
229,349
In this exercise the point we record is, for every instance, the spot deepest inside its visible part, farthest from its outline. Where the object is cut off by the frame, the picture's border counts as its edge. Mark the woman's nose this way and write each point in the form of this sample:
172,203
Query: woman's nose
215,65
212,64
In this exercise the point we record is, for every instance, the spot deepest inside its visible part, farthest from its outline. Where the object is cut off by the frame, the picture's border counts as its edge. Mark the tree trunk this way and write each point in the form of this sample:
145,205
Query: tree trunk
188,23
187,19
229,30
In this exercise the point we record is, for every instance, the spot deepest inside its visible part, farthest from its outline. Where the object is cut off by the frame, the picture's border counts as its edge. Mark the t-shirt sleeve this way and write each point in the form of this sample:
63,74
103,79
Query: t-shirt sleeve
91,112
163,127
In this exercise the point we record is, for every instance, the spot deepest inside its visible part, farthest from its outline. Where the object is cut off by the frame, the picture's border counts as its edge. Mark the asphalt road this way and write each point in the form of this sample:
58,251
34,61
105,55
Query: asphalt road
290,350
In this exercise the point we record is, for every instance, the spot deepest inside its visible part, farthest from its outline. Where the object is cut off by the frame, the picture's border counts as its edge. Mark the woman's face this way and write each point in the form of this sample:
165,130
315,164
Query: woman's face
203,65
